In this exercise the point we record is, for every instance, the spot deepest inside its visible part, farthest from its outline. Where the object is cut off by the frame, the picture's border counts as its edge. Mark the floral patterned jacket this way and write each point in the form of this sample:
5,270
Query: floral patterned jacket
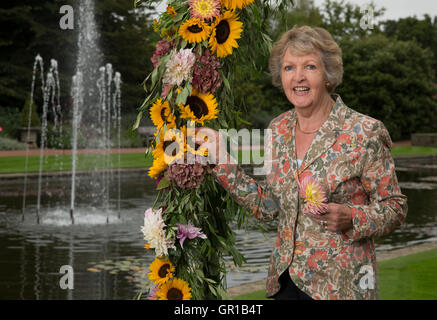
350,157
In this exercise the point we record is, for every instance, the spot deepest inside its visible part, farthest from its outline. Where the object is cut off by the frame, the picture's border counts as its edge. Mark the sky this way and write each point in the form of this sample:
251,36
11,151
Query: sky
396,9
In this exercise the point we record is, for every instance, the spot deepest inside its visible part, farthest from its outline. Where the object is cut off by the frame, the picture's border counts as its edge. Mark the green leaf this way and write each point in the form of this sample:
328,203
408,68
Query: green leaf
182,97
226,82
148,158
137,122
164,183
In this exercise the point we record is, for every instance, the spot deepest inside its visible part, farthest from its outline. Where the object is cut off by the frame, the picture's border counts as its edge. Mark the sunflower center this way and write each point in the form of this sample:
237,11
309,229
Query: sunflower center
174,294
162,272
173,151
197,106
195,29
222,31
191,142
163,117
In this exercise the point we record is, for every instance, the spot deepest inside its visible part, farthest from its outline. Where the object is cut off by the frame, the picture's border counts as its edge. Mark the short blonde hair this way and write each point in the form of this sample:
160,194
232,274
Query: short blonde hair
304,40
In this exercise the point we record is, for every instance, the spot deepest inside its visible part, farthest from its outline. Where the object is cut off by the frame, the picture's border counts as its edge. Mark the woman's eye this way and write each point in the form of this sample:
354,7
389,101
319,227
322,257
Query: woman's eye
311,67
288,68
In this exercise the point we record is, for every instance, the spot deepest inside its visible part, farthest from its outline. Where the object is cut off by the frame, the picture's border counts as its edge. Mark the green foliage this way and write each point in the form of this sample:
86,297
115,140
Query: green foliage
127,41
343,19
390,81
11,144
25,114
10,121
201,261
411,28
31,27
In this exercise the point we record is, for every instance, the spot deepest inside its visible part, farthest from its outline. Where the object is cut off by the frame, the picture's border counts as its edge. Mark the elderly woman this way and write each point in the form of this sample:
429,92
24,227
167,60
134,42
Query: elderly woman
333,183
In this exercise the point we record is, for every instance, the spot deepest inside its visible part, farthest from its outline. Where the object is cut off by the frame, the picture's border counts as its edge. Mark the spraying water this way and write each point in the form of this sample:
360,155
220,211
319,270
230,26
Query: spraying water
95,121
38,62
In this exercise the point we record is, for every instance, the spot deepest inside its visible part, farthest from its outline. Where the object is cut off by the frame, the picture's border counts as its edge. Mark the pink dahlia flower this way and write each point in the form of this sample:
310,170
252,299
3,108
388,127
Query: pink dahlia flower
314,196
204,9
188,231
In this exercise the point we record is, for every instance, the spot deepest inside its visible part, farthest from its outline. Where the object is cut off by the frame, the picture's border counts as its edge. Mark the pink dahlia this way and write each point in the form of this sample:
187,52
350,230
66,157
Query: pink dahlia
314,196
204,9
206,77
163,48
152,294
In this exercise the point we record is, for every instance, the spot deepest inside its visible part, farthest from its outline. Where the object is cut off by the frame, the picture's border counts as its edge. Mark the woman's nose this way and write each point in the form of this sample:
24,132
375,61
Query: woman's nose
299,75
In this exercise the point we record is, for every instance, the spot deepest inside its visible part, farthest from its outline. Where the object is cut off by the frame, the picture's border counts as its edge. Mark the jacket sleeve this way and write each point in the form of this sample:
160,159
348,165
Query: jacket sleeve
255,196
387,206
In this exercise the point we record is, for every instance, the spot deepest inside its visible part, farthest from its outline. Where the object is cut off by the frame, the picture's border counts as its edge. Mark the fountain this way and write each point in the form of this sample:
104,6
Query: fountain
95,122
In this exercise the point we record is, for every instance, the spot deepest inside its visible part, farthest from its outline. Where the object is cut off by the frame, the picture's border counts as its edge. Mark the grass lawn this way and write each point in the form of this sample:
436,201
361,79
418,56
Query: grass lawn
413,151
138,160
63,162
412,277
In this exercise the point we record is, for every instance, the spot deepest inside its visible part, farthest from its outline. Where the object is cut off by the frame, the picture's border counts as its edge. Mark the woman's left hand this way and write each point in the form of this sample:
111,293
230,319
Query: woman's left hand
337,218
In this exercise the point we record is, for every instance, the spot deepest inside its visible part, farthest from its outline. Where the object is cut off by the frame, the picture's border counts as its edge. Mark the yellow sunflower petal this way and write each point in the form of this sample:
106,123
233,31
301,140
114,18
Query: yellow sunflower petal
161,270
199,107
157,167
175,289
194,31
224,32
160,113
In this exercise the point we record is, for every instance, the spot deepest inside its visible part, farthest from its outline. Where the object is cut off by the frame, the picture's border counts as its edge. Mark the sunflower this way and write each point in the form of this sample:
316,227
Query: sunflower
199,107
224,32
195,148
234,4
204,9
171,145
160,113
161,271
194,31
157,167
175,289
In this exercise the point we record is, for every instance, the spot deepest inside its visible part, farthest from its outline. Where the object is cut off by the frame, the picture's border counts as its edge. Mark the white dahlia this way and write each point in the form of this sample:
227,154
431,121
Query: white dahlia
179,67
154,232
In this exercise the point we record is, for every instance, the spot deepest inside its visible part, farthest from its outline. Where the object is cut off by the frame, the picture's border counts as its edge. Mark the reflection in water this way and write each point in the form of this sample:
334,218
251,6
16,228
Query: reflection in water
109,260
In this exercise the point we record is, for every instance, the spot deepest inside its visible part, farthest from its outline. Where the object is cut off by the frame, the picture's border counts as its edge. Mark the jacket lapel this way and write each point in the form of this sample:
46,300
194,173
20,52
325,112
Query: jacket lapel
327,134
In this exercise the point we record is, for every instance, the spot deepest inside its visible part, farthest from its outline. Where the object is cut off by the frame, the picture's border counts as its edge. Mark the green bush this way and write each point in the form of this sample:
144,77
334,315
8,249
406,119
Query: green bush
391,81
34,121
11,144
10,121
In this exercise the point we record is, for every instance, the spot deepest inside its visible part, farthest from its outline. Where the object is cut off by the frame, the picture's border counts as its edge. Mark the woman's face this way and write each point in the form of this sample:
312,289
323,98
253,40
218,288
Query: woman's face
303,79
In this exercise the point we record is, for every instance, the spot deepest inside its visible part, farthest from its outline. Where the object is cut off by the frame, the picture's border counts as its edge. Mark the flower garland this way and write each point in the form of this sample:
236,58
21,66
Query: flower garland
190,84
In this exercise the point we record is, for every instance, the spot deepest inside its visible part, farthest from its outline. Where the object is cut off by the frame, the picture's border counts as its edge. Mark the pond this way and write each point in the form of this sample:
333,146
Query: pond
109,260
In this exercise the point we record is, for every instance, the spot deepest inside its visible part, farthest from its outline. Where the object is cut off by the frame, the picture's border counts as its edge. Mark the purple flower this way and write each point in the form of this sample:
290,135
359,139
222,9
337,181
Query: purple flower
188,231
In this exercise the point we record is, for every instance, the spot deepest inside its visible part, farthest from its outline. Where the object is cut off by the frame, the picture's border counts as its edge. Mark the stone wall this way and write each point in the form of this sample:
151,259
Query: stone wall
424,139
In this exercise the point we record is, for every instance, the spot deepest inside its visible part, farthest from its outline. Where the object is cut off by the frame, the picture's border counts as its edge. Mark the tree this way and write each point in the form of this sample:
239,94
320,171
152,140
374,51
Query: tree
411,28
344,20
128,42
30,27
392,82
